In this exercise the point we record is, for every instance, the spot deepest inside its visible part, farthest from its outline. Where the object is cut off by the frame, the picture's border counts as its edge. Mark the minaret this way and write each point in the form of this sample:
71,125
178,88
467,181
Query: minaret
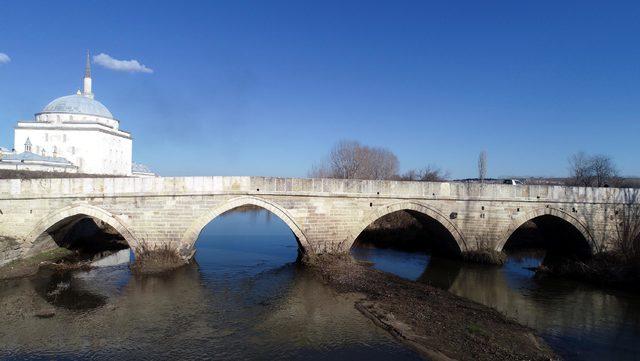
86,91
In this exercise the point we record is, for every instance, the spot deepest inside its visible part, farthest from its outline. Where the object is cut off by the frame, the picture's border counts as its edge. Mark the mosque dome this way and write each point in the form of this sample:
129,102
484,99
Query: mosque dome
78,104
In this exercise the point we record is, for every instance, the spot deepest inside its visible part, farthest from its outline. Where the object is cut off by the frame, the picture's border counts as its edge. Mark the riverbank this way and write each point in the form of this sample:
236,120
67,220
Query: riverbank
30,266
606,269
435,323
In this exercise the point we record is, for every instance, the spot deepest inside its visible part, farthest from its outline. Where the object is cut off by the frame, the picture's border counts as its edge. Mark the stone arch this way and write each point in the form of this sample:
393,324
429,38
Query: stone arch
546,211
191,235
407,206
54,218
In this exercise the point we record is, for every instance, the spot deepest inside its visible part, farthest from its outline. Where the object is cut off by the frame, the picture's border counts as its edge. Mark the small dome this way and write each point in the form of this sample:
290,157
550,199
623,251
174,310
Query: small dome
78,104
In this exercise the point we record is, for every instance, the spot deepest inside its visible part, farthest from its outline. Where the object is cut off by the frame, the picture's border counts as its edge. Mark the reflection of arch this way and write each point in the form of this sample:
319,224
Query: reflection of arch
565,216
407,206
58,218
191,235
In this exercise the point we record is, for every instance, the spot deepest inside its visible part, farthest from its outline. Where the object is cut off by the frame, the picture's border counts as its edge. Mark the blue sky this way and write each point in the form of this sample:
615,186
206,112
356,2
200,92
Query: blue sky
267,87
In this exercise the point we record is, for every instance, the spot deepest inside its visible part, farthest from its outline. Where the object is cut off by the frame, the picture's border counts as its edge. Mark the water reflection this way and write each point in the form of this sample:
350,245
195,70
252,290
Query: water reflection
243,298
580,321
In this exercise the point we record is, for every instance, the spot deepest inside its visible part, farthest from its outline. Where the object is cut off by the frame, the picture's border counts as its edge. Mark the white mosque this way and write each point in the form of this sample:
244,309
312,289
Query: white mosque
73,134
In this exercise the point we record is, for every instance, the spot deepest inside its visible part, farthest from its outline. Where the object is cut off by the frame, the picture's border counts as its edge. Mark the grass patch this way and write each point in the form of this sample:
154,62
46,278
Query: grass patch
476,329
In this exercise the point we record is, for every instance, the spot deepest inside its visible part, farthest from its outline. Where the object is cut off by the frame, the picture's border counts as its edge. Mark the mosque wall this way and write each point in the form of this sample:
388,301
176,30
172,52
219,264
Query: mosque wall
93,151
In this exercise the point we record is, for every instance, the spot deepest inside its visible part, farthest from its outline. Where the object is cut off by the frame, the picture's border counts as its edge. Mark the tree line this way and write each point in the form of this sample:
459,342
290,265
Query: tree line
350,159
597,170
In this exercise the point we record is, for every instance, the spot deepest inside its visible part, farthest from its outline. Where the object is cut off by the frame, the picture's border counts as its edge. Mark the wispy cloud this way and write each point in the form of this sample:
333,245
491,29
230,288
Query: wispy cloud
4,58
132,66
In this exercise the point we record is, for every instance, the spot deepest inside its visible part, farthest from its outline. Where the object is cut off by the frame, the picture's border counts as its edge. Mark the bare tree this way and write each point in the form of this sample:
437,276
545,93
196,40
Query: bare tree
352,160
580,169
320,170
604,170
591,171
430,173
482,166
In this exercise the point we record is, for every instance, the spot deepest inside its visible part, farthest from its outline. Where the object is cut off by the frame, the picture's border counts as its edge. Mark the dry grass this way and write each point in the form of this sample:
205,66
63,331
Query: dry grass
609,269
628,231
484,253
486,256
156,259
327,248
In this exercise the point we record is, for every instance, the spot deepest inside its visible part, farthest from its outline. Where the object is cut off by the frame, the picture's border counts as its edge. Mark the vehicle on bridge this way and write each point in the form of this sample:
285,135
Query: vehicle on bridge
514,182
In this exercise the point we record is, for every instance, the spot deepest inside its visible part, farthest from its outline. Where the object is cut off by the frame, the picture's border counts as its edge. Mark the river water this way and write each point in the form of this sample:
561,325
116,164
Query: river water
243,298
246,298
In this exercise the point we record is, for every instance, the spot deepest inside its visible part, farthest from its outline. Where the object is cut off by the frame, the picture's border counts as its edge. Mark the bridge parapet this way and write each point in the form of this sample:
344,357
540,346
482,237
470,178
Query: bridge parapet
168,186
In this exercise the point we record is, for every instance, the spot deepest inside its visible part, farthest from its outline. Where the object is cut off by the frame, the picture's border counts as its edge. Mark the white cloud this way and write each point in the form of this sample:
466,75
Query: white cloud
132,66
4,58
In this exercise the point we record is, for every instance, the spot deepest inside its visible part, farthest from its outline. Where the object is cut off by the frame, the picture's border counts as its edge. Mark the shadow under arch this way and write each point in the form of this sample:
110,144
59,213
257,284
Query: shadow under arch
549,213
431,213
70,215
193,232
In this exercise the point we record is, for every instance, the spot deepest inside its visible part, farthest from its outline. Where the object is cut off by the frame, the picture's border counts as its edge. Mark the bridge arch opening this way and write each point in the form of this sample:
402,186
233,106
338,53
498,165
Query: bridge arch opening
412,226
409,230
91,233
549,237
246,240
243,204
405,238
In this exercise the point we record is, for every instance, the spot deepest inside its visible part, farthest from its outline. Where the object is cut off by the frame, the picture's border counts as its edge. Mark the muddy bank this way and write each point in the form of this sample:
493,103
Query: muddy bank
30,266
436,323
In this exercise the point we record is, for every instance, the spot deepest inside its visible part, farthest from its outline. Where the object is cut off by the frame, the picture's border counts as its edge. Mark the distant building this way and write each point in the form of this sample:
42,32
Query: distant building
141,170
73,133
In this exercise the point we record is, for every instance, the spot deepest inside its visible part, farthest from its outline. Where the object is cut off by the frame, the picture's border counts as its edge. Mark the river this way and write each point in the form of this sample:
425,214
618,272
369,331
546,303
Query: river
245,297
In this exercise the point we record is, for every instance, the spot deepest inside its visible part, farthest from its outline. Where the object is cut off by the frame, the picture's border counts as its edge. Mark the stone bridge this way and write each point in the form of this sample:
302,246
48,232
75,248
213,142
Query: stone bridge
326,215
